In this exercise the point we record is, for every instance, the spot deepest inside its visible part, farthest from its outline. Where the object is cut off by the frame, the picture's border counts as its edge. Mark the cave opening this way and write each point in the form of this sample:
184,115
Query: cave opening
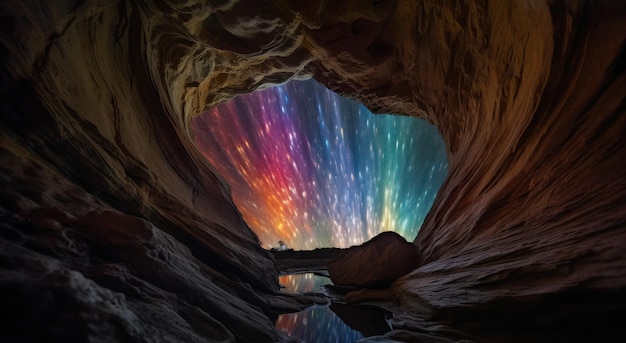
309,168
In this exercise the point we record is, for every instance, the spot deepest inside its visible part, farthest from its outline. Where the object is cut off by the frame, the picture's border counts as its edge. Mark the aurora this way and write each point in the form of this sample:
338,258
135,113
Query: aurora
314,169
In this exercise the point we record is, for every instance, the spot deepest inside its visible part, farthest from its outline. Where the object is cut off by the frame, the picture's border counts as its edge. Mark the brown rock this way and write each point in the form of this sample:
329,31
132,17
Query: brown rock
96,98
376,263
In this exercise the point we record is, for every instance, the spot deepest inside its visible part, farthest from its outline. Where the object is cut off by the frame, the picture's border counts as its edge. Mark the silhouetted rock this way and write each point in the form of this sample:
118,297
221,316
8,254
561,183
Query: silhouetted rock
376,263
293,261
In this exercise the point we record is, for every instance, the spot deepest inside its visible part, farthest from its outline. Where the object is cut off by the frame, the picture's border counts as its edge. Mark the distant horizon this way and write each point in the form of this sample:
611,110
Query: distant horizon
317,170
273,249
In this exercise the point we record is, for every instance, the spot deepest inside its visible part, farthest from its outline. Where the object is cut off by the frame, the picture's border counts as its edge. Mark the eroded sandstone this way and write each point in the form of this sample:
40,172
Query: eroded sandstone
107,205
376,263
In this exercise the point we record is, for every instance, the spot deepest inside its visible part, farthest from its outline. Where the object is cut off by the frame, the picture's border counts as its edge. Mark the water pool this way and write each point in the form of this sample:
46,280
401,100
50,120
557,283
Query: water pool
319,324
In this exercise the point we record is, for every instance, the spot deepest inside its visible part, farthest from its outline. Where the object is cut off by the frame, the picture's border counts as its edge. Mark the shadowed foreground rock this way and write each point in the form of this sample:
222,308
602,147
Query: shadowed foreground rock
376,263
114,227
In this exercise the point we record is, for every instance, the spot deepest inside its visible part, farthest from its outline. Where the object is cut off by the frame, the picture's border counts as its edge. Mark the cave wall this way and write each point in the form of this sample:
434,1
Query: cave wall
114,226
527,232
93,104
97,97
542,218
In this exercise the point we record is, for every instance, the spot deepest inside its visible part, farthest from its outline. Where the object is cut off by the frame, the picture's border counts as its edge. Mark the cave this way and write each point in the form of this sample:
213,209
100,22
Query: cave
116,228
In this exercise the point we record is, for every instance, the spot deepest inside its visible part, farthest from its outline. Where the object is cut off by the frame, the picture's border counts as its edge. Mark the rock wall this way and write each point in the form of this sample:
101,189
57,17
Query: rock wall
106,203
529,99
526,233
114,226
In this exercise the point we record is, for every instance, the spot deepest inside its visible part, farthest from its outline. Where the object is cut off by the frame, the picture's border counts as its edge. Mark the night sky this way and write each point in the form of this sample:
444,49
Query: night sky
314,169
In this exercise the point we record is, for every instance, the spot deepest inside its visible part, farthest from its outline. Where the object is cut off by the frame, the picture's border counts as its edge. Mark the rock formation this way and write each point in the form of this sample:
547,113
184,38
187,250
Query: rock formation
376,263
115,228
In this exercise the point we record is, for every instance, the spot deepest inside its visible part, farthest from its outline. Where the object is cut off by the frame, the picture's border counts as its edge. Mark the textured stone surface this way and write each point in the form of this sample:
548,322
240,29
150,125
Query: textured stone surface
376,263
525,235
107,206
77,270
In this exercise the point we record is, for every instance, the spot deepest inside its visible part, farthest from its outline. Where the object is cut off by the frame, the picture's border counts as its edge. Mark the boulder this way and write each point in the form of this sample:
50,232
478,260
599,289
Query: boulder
376,263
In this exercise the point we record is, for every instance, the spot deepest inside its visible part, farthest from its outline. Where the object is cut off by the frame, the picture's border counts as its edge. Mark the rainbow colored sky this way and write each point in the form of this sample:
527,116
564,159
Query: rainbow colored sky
314,169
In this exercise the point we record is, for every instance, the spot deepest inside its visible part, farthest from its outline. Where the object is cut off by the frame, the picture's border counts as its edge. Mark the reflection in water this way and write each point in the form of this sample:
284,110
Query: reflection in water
320,323
369,321
304,283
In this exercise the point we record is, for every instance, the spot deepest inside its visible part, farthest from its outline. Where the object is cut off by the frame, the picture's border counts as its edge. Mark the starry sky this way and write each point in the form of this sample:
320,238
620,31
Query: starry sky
314,169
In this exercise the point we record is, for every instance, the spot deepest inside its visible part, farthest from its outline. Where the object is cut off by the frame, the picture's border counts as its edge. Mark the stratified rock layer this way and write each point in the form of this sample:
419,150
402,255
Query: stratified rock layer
107,205
526,233
376,263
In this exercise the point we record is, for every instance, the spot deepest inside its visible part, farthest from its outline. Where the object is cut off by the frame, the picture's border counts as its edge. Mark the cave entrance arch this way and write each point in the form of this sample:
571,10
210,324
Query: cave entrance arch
312,169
